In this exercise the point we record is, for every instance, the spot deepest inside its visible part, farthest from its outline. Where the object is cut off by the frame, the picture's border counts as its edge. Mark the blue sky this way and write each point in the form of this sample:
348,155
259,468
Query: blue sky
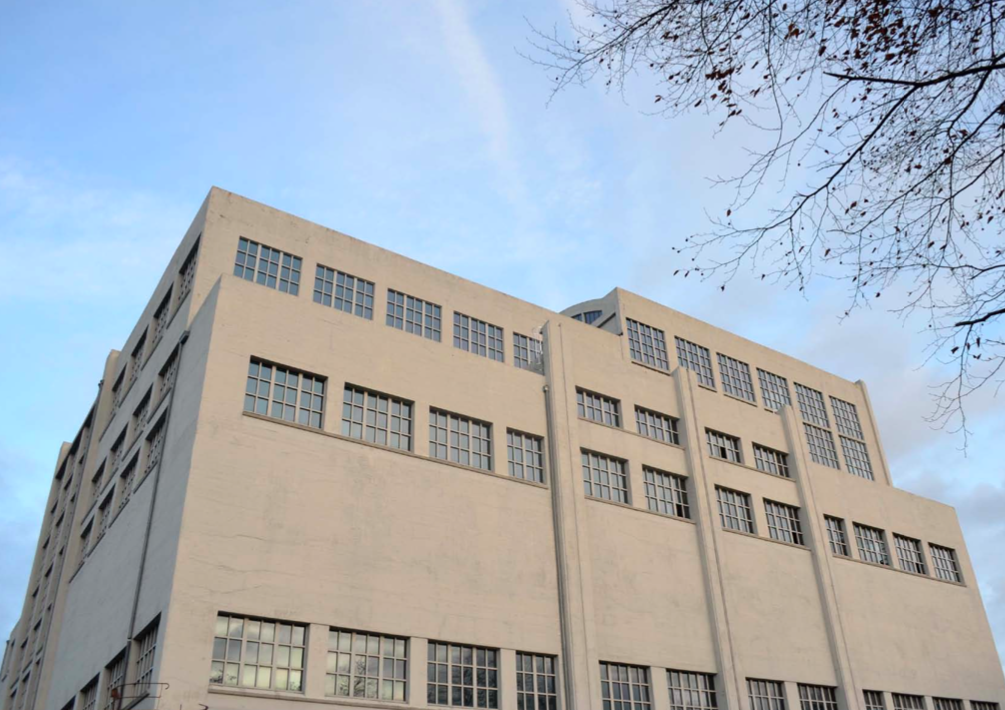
416,126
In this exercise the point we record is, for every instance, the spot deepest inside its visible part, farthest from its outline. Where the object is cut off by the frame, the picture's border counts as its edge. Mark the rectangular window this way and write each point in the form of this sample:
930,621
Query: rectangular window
598,407
846,418
983,705
118,450
735,510
89,695
783,522
146,646
723,446
874,700
460,439
366,665
267,266
343,292
141,413
909,554
624,687
377,418
462,676
115,678
161,317
947,704
735,376
766,694
85,543
285,393
136,360
126,480
821,445
771,461
666,493
257,653
774,390
155,445
691,691
908,702
856,457
118,392
168,375
186,274
536,688
525,455
945,564
478,337
811,405
647,345
654,425
871,544
413,315
837,536
105,513
528,353
605,477
817,697
696,358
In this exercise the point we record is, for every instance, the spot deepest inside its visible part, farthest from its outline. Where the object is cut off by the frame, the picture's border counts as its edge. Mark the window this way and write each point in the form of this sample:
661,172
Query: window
89,696
413,315
118,450
155,445
255,653
126,480
723,446
774,390
947,704
186,274
983,705
168,374
666,493
837,536
118,392
735,511
811,405
377,418
115,678
267,266
871,544
462,676
525,455
146,645
460,439
647,345
136,360
697,358
691,691
85,543
478,337
846,418
654,425
945,564
588,317
105,513
856,457
535,682
528,353
343,292
294,396
783,522
365,665
874,700
766,694
605,477
821,444
817,697
624,687
771,461
598,408
141,413
909,554
161,317
908,702
735,376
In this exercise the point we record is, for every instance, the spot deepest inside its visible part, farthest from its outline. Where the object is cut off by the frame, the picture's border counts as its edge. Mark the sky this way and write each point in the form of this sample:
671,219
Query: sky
417,126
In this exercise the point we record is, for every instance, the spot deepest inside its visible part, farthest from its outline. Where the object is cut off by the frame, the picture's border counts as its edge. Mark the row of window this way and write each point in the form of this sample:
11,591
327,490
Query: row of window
117,685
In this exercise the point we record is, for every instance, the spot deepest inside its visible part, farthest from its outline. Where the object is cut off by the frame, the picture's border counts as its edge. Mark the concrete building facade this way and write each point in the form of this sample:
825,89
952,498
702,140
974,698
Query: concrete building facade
320,473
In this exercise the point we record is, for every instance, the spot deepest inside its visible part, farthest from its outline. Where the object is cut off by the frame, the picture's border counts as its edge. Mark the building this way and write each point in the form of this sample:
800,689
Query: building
321,472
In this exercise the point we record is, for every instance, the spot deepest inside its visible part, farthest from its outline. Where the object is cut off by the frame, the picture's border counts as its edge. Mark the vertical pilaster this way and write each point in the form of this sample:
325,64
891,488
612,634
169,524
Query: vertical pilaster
415,673
658,682
507,679
317,661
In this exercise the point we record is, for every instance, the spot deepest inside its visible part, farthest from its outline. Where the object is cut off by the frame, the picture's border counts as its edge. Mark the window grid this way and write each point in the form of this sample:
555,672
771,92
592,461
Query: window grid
983,705
267,266
909,554
588,317
654,425
155,446
161,317
294,396
945,564
811,405
647,345
783,522
478,337
460,439
774,390
846,418
90,696
817,697
536,686
856,457
343,292
766,694
666,493
691,691
871,544
377,418
821,445
947,704
837,536
462,676
605,477
413,315
735,376
625,687
186,274
735,511
723,446
366,665
902,701
771,461
168,374
146,647
528,353
525,456
697,358
874,700
127,478
136,361
115,678
598,408
257,653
